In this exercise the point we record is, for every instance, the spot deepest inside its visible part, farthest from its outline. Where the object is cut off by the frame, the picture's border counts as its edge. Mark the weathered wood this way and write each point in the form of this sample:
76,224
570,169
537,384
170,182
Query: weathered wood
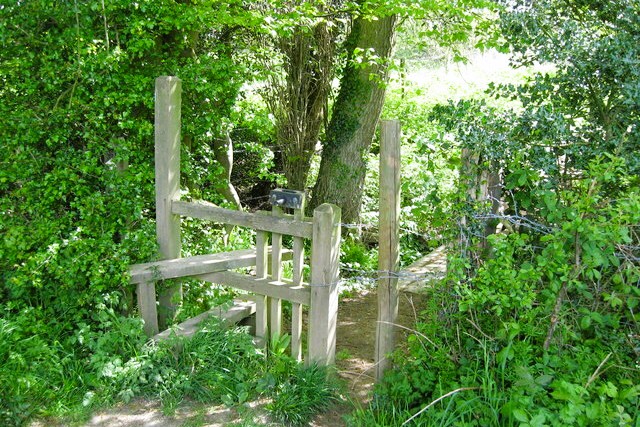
261,273
282,290
240,310
389,244
296,331
146,293
208,211
167,173
199,264
275,305
183,267
296,309
325,260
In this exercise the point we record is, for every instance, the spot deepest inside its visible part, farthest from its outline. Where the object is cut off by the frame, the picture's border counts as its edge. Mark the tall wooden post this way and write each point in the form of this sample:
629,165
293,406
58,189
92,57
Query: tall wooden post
167,155
325,267
389,243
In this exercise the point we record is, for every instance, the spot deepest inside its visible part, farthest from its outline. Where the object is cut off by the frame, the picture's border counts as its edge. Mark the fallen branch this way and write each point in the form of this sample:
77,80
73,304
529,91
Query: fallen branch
596,373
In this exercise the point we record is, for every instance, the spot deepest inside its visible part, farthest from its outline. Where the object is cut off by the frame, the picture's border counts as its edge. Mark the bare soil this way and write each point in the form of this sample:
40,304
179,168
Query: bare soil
355,347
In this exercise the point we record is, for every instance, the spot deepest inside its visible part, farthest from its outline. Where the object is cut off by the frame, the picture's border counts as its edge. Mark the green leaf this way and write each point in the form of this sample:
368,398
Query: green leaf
585,322
520,415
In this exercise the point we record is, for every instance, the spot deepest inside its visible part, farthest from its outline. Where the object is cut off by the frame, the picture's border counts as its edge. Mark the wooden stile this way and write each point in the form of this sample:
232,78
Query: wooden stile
268,284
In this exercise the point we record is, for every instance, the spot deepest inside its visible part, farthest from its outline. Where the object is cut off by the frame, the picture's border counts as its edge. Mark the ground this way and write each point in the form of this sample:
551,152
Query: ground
355,348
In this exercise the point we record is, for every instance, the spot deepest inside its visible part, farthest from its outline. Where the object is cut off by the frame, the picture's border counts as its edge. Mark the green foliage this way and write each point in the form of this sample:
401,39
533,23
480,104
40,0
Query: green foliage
45,375
304,392
357,257
429,169
209,367
594,87
31,372
76,175
538,325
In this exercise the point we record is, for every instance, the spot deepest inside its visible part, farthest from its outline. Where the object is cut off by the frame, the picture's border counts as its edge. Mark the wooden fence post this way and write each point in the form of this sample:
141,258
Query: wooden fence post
167,156
296,309
261,273
146,293
275,304
389,243
325,267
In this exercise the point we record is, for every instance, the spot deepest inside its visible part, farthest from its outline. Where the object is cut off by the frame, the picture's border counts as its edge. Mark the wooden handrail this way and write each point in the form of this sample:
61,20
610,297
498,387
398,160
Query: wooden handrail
208,211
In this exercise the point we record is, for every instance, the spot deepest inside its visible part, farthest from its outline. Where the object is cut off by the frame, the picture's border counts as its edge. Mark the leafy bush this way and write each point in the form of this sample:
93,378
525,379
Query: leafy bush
76,176
538,325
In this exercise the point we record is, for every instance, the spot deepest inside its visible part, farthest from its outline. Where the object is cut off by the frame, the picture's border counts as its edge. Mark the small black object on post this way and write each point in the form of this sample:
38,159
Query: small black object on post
292,199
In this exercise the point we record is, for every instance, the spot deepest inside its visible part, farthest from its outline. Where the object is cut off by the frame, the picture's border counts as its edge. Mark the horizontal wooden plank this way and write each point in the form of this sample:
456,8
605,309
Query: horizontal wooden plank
208,211
199,264
282,290
240,310
190,266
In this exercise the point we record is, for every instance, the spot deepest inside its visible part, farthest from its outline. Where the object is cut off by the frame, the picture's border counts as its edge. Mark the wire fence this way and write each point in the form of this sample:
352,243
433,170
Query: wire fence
462,244
624,252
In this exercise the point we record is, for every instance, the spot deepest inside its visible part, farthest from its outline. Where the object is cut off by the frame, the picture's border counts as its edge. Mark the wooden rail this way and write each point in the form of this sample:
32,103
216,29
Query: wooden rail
208,211
191,266
280,289
195,265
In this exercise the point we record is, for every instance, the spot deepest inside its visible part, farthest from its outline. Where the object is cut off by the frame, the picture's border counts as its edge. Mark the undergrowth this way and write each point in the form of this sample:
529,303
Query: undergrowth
217,365
536,326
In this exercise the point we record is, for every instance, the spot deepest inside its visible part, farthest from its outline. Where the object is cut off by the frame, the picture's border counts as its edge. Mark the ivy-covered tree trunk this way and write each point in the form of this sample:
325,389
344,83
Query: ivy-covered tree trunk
355,115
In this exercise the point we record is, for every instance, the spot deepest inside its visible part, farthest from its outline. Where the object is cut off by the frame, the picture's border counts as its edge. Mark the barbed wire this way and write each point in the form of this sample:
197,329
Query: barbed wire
386,274
624,251
517,220
373,277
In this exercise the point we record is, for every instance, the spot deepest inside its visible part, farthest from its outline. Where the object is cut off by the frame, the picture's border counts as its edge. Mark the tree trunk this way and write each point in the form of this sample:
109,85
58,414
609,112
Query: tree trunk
298,100
355,114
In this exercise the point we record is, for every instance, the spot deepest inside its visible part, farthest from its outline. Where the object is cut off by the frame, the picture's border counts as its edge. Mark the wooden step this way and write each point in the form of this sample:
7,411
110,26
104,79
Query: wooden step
195,265
240,310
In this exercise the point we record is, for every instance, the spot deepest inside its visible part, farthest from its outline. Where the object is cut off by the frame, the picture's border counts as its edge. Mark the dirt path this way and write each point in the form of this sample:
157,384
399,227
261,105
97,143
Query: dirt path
355,348
356,332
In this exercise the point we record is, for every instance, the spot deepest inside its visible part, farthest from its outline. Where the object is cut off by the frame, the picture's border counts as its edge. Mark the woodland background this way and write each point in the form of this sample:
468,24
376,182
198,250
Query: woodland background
535,325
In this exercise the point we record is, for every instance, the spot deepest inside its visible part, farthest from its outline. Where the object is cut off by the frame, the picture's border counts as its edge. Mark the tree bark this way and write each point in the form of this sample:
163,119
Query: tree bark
298,100
355,115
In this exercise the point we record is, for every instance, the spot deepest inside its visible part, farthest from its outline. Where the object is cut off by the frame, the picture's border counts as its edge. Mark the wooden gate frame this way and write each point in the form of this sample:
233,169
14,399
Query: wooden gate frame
321,294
